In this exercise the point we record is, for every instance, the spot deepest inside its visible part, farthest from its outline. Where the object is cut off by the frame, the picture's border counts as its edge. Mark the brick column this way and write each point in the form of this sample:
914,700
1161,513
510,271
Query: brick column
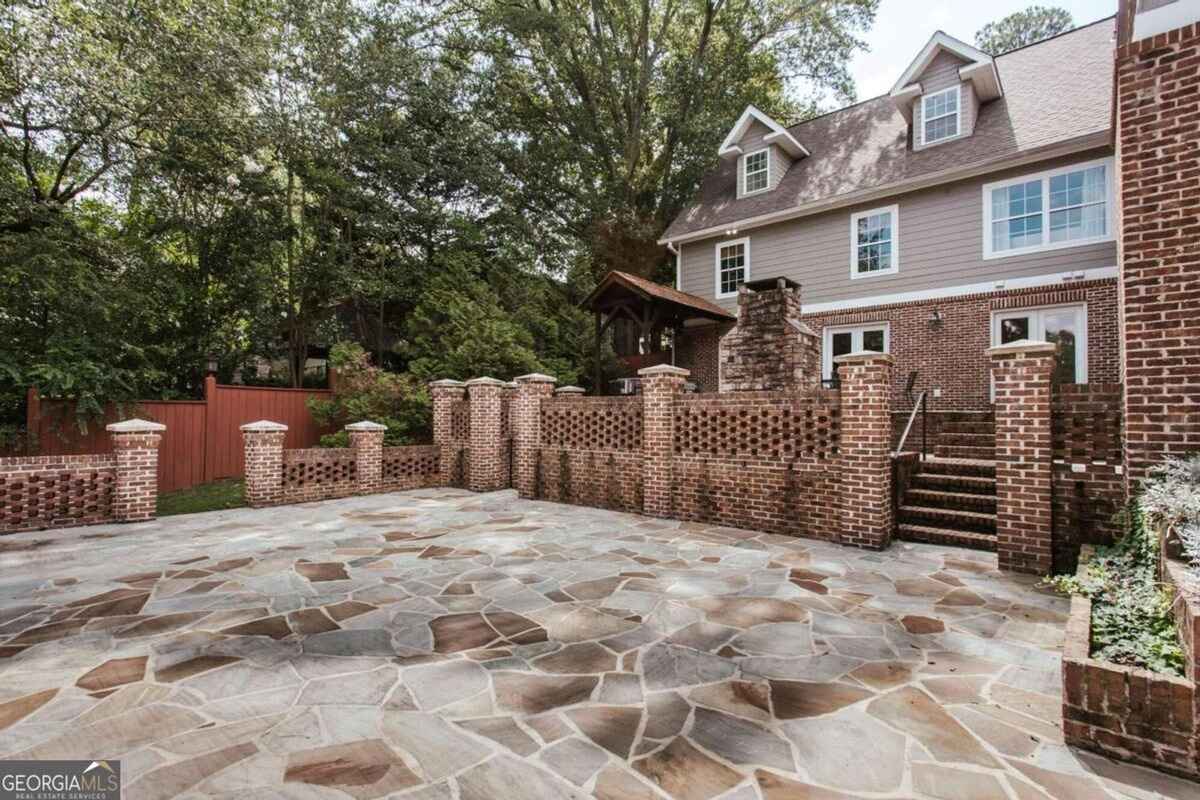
661,384
135,443
569,391
865,449
263,443
367,440
485,397
1024,455
445,394
526,420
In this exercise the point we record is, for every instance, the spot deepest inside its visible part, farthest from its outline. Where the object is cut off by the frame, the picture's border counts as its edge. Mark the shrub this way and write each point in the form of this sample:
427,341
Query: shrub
365,392
1172,496
1131,611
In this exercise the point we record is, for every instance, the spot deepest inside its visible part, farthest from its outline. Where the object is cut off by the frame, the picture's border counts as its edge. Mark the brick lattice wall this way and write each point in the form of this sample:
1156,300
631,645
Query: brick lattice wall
56,491
318,473
415,467
592,423
1158,150
1088,479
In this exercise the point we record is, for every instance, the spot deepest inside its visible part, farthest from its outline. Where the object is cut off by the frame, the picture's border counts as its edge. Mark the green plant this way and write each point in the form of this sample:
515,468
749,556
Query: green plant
365,392
1131,610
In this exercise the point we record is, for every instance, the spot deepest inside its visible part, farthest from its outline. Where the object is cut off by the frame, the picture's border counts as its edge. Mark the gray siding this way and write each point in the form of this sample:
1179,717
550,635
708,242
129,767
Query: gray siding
940,246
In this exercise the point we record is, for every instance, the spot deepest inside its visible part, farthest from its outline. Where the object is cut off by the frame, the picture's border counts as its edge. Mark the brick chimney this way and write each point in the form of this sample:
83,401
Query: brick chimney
769,348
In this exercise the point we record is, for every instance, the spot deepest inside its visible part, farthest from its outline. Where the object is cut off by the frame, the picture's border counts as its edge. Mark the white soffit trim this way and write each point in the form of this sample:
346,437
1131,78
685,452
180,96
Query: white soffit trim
1058,279
778,135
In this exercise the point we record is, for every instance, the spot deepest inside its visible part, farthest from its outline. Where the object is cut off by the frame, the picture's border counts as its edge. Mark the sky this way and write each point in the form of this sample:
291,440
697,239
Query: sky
903,26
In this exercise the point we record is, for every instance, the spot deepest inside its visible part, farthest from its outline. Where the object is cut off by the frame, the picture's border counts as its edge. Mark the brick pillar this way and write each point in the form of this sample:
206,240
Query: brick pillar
445,394
661,384
526,420
486,468
569,391
263,443
135,443
1024,455
367,440
865,449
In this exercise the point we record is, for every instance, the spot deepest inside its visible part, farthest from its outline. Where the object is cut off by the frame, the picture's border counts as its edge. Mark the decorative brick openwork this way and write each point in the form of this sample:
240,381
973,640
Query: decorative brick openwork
1024,527
769,425
1158,153
56,491
276,476
592,423
1088,471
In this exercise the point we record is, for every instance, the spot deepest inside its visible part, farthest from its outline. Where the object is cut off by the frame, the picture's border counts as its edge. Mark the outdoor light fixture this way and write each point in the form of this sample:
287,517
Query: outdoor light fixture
935,319
210,365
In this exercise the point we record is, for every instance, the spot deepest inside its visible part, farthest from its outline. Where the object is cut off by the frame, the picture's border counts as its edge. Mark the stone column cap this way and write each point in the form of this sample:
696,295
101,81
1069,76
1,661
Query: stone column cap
450,382
663,369
366,425
863,355
510,384
484,381
264,426
535,377
570,390
1022,346
135,426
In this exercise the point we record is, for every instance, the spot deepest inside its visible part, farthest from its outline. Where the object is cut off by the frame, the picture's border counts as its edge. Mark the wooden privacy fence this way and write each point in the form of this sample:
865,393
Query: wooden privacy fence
202,441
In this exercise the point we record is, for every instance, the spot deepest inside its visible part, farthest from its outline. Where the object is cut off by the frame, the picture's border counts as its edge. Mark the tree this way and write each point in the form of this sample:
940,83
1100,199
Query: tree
1022,28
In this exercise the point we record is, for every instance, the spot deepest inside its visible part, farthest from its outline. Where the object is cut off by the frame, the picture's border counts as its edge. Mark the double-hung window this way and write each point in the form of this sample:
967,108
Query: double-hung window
875,242
733,266
1059,208
940,115
756,171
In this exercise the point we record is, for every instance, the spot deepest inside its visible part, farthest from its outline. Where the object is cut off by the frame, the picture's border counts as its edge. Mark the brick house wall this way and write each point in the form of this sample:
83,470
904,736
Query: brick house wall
953,356
697,350
1158,150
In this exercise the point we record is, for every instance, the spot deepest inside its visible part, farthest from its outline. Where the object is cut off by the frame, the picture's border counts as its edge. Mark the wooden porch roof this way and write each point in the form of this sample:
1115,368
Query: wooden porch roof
618,289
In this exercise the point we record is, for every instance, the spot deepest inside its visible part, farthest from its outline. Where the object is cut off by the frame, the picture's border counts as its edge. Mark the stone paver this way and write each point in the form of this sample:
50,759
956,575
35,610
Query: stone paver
440,644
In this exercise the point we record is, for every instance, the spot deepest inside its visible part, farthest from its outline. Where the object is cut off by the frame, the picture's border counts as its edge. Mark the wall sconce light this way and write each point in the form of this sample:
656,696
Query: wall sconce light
935,319
210,365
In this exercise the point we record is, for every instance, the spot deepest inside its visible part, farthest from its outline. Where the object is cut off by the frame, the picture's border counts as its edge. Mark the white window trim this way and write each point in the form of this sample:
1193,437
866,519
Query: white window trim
1044,177
745,240
894,210
742,171
957,89
1081,344
827,341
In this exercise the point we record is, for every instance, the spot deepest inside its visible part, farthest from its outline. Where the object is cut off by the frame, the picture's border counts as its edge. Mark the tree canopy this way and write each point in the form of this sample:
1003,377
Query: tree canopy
1022,28
253,181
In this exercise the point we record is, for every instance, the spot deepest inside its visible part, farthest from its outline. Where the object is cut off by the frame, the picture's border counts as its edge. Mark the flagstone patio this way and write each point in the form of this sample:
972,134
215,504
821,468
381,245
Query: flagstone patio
442,644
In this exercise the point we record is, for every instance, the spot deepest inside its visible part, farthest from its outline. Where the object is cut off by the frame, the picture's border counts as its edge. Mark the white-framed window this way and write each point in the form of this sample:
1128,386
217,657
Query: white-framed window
941,115
842,339
756,171
875,242
1048,210
733,266
1063,326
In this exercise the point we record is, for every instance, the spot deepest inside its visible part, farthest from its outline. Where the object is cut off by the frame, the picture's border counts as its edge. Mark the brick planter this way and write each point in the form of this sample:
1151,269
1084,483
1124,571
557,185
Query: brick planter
1126,713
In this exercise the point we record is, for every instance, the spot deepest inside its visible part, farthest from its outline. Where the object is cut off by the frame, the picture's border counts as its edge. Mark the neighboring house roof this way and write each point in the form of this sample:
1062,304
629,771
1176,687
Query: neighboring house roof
1057,99
649,290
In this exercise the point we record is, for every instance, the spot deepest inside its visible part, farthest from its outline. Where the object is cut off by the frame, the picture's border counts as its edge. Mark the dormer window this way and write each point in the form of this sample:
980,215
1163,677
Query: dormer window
940,115
756,171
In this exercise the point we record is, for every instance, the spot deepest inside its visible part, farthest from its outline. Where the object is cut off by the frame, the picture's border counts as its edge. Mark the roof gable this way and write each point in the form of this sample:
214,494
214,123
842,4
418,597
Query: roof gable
978,67
778,135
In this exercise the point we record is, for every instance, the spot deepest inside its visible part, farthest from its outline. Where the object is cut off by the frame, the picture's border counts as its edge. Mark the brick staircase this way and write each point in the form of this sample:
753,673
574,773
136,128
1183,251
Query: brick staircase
952,497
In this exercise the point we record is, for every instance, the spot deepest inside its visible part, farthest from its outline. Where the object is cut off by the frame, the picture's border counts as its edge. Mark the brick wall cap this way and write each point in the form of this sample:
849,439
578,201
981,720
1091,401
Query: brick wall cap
663,369
449,382
570,390
263,426
510,384
135,426
863,356
484,381
366,425
1021,346
535,377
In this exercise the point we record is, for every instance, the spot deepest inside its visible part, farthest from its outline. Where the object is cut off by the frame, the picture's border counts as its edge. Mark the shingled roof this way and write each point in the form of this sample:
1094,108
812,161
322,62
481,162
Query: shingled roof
685,304
1056,92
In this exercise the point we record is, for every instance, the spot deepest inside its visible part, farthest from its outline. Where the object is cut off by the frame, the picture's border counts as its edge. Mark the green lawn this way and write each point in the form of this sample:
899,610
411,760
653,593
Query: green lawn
205,497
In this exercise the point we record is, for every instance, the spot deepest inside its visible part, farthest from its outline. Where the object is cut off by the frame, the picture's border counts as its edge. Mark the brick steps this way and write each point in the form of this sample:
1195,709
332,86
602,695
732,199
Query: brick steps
947,536
951,501
965,451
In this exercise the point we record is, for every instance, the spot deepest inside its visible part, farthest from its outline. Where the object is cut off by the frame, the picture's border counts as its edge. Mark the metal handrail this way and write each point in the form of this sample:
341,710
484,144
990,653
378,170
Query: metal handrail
920,405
